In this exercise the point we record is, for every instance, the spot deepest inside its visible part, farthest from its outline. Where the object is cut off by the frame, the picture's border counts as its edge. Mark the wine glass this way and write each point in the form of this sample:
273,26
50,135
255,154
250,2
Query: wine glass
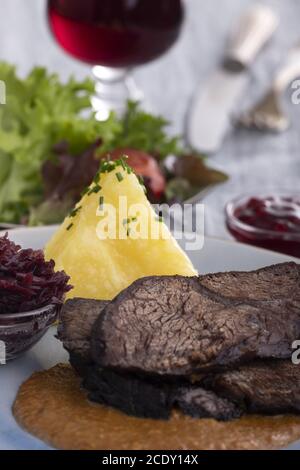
115,36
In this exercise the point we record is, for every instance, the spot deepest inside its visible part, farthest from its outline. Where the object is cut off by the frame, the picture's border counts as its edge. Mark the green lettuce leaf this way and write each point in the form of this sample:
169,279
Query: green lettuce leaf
41,113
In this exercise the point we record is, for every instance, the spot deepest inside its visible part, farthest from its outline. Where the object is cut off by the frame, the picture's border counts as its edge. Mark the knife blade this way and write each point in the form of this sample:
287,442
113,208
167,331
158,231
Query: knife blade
213,103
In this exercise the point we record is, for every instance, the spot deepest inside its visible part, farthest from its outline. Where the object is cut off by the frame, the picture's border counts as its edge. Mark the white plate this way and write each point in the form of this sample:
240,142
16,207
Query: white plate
217,255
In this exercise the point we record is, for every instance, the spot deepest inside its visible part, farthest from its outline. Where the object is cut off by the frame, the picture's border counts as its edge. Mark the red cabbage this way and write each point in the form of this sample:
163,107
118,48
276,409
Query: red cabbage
27,281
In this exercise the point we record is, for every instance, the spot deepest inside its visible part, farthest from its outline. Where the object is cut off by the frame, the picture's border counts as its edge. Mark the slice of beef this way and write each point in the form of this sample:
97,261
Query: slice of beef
174,325
74,330
200,403
130,394
141,397
268,387
279,282
151,397
264,387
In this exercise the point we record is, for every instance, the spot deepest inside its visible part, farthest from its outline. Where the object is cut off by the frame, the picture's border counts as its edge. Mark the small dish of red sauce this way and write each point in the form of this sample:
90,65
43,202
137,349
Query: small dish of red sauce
270,221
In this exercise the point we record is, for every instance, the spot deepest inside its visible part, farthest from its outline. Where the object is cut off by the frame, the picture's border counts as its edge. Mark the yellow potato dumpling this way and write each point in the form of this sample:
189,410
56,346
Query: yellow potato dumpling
100,266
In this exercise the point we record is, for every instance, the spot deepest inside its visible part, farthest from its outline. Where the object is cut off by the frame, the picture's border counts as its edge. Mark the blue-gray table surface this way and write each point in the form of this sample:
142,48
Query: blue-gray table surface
252,160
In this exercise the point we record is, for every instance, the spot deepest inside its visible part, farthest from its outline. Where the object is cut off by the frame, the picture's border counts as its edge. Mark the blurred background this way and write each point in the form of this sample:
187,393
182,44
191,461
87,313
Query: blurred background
253,160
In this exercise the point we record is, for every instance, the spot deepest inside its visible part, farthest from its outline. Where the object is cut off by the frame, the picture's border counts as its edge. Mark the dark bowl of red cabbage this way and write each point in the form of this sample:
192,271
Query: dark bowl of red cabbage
31,295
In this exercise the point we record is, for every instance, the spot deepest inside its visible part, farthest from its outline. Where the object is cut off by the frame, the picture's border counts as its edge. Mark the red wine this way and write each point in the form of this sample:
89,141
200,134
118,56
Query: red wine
115,33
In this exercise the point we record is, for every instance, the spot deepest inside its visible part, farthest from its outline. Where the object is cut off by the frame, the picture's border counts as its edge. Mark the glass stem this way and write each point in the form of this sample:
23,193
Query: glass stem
114,87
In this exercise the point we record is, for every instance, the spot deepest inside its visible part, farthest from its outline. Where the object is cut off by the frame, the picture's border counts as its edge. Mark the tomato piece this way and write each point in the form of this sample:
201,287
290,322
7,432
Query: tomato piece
146,166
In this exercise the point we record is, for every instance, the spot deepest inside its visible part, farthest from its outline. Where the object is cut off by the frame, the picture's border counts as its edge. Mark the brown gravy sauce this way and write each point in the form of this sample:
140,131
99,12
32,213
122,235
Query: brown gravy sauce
51,406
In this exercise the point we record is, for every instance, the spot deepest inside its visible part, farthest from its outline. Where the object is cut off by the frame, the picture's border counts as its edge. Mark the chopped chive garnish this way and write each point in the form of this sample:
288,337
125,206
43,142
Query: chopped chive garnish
101,202
75,211
94,189
106,166
123,164
119,177
97,178
70,226
133,219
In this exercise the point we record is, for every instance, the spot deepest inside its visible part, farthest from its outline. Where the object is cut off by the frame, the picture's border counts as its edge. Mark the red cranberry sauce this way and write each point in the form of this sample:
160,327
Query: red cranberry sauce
269,222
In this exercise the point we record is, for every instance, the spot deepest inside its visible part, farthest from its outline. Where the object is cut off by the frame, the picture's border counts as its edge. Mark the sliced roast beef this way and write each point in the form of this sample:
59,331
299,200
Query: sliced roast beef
215,346
75,325
269,387
279,282
130,394
265,387
176,326
150,397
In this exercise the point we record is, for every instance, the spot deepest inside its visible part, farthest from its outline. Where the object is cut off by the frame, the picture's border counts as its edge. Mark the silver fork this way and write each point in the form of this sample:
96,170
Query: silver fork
268,114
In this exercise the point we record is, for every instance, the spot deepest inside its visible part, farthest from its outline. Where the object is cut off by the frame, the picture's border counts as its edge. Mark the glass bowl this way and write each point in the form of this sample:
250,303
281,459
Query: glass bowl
21,331
282,205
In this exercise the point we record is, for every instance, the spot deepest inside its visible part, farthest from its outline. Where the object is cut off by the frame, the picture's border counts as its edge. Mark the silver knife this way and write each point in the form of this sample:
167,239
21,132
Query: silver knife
209,117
